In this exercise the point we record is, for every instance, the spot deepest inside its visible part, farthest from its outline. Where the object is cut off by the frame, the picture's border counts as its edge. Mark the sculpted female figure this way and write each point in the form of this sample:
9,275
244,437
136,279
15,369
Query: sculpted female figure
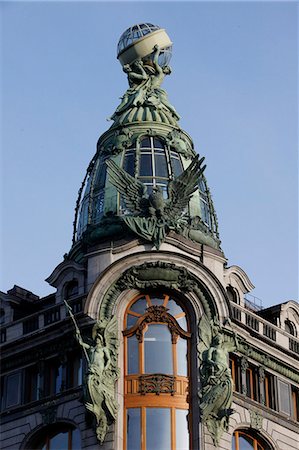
102,374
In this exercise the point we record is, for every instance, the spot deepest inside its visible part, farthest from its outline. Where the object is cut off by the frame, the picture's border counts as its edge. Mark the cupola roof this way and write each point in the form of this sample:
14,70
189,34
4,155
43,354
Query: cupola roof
146,178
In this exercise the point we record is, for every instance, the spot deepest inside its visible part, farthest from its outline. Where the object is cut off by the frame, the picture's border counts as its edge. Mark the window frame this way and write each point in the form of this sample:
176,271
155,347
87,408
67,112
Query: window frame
172,401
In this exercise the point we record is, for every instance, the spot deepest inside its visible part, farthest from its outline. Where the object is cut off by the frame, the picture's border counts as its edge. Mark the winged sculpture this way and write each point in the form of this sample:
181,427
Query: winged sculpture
102,374
216,381
152,216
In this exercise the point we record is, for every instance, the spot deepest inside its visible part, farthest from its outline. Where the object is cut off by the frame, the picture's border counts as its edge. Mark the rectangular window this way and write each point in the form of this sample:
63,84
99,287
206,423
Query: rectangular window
295,401
284,397
146,166
252,383
269,389
158,426
13,389
32,384
133,429
235,367
53,377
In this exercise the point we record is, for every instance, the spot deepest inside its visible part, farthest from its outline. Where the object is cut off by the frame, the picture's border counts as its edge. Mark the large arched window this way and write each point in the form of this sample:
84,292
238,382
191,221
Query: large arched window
156,374
245,440
54,437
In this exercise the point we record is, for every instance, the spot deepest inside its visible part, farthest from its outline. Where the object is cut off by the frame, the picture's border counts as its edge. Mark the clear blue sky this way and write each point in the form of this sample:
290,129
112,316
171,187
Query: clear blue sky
234,83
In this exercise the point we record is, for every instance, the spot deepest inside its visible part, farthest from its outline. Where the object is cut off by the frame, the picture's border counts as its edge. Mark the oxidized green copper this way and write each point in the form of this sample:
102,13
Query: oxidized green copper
102,374
144,112
156,216
216,392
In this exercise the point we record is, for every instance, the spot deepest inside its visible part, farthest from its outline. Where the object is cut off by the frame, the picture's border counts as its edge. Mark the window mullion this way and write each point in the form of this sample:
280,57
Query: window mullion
175,359
143,428
153,161
141,356
173,429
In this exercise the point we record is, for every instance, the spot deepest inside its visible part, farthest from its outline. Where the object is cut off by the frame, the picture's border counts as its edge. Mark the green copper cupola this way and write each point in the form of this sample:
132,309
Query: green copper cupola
146,178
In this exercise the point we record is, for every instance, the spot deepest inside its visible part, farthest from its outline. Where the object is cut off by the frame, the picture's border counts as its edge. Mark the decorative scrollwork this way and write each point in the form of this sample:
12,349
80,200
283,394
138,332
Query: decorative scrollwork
157,313
156,383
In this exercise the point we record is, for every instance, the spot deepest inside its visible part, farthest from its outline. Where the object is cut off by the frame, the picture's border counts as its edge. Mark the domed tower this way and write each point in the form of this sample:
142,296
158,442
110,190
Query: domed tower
146,258
145,179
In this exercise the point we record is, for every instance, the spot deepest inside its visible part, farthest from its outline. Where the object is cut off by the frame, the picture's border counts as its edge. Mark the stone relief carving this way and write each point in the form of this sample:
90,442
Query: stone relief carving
151,216
101,353
151,275
216,392
176,139
256,420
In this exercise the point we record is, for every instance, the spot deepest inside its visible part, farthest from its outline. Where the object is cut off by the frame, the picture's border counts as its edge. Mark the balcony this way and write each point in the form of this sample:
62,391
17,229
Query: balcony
38,321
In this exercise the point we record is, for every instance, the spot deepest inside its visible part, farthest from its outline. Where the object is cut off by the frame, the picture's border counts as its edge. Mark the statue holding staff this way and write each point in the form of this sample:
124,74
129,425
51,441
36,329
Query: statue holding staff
102,373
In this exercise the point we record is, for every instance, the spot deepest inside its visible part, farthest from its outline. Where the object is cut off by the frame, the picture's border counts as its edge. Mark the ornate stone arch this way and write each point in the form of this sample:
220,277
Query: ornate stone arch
148,270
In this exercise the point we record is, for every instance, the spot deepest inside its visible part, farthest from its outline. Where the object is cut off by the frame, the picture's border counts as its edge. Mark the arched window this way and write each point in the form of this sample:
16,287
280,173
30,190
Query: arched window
156,374
232,294
245,440
60,436
290,327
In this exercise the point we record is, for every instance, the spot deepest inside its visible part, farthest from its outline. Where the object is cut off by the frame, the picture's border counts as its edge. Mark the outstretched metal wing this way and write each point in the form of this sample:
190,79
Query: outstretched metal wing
182,187
132,190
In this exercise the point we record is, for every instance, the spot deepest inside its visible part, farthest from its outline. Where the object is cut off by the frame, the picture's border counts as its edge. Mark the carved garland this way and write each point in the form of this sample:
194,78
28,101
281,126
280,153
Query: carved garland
152,275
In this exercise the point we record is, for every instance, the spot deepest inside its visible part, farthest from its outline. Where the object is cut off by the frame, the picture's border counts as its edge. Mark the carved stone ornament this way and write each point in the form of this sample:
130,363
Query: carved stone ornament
156,383
101,354
152,275
177,140
256,420
216,390
151,216
49,413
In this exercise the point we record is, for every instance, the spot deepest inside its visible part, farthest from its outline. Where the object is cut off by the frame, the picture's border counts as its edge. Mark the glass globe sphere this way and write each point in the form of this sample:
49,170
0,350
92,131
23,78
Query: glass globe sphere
138,32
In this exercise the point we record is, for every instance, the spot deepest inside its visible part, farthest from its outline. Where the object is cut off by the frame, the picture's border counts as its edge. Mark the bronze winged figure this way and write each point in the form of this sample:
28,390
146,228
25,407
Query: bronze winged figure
152,216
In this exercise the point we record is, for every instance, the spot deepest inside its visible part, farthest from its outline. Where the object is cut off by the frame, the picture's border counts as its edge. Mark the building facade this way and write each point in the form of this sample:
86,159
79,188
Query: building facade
150,341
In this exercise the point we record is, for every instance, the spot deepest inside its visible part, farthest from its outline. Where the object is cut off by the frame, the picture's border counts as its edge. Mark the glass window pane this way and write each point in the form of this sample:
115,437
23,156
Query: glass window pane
182,356
158,434
133,429
76,440
182,435
146,168
60,441
158,350
174,308
145,143
131,320
129,164
234,442
58,379
176,167
133,366
139,306
157,300
13,389
284,397
182,322
161,166
245,442
158,143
